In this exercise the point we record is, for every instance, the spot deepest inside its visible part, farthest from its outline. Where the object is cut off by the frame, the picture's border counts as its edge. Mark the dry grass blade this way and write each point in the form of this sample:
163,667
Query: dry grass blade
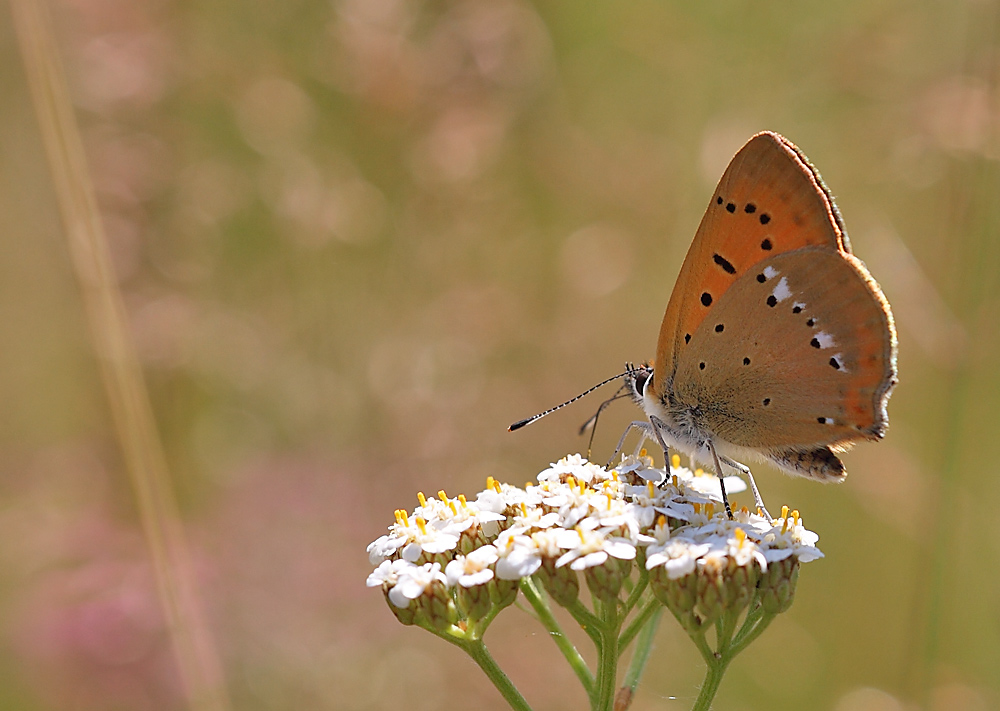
123,381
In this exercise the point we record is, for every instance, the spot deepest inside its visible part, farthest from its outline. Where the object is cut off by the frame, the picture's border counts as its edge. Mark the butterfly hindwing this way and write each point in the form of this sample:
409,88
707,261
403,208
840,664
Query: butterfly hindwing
793,355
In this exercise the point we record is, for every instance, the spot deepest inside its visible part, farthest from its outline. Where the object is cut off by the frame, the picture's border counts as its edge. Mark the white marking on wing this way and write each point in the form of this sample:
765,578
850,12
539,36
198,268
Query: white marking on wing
825,340
781,291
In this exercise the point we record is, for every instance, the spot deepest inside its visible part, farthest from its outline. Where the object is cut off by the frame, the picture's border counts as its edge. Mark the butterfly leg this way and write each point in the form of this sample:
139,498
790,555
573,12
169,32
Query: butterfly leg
591,424
643,427
657,424
722,482
745,470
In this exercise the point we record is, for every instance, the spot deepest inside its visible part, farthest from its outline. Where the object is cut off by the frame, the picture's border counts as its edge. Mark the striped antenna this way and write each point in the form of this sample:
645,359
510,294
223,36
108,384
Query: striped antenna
521,423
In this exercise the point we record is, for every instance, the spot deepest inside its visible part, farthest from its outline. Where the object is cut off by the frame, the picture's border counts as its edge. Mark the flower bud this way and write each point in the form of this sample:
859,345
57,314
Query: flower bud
437,606
711,598
561,583
777,584
679,595
503,593
407,615
474,601
605,580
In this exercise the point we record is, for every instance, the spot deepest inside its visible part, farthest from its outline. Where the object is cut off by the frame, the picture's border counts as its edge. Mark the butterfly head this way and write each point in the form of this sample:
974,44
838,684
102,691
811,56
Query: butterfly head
638,378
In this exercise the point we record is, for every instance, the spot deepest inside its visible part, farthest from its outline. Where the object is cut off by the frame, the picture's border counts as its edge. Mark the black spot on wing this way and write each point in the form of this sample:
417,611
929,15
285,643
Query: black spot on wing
726,265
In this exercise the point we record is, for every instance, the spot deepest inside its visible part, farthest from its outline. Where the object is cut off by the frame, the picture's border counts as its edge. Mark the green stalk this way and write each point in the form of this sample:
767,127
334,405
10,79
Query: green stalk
477,650
576,662
588,621
607,673
643,648
713,677
752,628
637,591
638,623
724,628
728,646
707,653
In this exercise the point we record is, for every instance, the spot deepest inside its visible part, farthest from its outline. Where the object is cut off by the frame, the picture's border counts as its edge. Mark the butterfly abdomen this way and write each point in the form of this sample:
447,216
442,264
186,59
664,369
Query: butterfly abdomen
820,464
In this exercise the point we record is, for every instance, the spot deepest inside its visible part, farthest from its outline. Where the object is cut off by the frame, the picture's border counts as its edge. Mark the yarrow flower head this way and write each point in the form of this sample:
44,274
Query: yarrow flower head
452,564
581,517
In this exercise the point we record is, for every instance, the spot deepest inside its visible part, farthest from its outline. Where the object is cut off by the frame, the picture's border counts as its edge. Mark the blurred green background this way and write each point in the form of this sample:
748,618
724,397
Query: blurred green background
357,239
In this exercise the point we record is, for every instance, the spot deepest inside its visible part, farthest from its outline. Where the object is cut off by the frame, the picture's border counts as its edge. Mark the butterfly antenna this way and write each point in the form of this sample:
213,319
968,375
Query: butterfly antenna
527,421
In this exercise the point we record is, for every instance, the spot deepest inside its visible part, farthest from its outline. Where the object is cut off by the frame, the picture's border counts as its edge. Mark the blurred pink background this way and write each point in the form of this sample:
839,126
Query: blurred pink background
357,239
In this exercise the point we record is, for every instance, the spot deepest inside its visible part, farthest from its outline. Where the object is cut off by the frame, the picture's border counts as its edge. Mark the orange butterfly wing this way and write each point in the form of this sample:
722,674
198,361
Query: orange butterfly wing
770,201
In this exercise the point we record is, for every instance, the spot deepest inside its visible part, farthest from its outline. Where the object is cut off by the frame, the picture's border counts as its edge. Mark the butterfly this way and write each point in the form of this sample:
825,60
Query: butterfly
777,344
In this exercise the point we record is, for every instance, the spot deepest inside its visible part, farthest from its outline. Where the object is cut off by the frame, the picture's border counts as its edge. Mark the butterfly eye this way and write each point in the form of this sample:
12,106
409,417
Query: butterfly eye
639,379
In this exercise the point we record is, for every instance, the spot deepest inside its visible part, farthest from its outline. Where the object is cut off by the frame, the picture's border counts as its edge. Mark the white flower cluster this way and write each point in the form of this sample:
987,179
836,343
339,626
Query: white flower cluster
582,518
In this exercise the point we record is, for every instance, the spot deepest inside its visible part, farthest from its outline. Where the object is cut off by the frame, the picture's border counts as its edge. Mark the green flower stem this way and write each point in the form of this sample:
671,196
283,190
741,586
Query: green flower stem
724,628
587,620
729,645
754,614
452,633
477,650
643,647
707,653
549,622
637,591
746,636
478,628
607,652
638,623
713,677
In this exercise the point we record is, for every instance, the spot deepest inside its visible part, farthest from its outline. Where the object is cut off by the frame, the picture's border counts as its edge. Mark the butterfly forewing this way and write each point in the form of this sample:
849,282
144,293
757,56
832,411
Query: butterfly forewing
793,354
769,201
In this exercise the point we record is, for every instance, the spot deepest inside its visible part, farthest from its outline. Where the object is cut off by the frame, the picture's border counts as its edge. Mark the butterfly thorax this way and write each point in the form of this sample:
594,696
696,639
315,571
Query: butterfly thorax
680,422
684,421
